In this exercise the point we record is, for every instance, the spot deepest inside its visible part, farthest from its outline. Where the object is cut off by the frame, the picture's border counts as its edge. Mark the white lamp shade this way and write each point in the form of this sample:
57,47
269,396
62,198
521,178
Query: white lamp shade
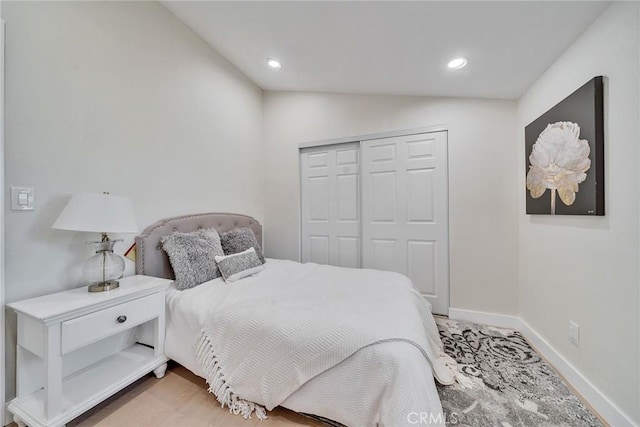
100,213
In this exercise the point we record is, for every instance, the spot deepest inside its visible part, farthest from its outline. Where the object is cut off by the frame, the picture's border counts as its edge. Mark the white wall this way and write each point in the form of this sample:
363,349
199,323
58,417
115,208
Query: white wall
585,269
117,96
482,189
2,268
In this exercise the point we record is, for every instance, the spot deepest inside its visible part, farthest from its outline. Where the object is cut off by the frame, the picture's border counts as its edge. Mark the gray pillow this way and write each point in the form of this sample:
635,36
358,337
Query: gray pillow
238,240
192,256
237,266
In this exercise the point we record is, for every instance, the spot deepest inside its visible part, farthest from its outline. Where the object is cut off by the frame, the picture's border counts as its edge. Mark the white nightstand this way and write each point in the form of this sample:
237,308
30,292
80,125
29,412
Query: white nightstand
74,350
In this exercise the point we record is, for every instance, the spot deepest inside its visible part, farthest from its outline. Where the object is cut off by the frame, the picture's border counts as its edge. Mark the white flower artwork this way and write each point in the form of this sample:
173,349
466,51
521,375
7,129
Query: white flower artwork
559,162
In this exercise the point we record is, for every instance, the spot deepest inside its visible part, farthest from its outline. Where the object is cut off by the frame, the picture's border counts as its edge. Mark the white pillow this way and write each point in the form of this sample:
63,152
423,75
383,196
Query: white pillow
237,266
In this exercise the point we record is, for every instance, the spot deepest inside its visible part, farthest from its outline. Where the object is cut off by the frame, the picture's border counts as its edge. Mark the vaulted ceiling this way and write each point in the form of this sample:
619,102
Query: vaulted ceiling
393,47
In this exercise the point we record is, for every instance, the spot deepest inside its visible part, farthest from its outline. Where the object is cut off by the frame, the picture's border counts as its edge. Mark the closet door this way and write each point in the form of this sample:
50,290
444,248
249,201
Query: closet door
405,211
330,205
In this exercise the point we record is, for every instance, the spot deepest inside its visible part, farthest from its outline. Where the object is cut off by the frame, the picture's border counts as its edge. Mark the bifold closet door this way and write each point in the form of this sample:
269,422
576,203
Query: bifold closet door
330,205
405,211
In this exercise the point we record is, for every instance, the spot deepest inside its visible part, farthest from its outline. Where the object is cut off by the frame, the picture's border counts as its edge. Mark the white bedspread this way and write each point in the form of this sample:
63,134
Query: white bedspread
386,383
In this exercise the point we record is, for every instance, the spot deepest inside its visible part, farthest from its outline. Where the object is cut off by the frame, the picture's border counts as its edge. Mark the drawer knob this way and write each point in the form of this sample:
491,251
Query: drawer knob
121,319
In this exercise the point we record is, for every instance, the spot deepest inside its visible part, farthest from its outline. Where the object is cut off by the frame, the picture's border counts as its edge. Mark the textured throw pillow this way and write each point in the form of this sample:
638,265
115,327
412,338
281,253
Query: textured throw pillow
192,256
238,240
236,266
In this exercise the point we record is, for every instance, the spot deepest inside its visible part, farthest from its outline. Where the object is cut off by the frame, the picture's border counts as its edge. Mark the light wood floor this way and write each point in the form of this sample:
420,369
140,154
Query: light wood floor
178,399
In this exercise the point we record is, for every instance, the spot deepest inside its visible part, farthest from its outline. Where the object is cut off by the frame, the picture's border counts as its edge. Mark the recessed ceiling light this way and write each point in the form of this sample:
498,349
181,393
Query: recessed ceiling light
456,64
273,63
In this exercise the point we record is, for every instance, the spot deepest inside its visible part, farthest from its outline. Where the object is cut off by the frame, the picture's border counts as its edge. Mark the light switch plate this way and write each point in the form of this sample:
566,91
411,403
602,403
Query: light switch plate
22,198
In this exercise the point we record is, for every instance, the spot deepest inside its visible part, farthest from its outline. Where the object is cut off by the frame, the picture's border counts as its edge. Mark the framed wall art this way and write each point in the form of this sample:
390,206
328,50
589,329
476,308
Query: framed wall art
564,150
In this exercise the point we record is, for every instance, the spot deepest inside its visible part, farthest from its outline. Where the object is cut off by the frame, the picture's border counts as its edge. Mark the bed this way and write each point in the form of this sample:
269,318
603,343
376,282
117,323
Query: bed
388,382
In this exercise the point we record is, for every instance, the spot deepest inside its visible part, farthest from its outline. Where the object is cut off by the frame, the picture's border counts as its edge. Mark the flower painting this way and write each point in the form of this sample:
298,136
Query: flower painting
565,149
559,162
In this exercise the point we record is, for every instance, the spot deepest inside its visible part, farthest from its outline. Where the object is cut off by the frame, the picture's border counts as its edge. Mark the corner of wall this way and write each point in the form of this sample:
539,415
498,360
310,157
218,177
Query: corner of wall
4,414
595,398
585,269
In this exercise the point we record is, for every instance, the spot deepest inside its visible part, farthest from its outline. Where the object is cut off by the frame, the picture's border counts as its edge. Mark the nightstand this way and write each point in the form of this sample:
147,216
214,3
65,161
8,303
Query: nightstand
76,348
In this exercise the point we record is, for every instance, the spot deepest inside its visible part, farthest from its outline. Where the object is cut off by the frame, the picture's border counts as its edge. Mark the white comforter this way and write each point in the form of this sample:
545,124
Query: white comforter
389,383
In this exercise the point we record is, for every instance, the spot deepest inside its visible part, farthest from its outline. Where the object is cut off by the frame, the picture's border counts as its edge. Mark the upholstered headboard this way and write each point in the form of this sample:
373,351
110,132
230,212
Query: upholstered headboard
152,260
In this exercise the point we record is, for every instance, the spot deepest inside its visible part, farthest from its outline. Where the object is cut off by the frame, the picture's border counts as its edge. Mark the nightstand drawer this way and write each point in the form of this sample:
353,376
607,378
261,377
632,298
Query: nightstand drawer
84,330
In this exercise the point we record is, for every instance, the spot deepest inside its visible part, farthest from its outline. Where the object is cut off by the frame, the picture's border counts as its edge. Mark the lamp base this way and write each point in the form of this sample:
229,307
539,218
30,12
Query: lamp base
106,286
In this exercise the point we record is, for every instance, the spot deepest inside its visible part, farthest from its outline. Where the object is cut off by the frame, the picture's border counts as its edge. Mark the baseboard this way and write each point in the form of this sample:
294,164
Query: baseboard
600,403
500,320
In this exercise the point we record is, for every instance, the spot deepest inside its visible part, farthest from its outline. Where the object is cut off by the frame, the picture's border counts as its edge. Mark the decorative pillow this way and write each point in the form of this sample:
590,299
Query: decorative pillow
238,240
236,266
192,256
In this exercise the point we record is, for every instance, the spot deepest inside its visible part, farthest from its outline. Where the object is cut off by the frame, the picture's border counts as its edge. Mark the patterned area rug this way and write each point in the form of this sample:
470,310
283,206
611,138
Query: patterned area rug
512,385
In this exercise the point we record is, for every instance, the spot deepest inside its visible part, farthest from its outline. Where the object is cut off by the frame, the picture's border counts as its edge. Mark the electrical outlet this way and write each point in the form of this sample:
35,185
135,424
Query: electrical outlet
574,333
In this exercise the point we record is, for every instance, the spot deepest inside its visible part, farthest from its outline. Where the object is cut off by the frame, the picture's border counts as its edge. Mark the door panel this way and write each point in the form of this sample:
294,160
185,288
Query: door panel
348,250
422,265
330,205
383,153
405,211
348,156
318,160
319,203
384,253
420,195
420,148
348,202
383,193
319,249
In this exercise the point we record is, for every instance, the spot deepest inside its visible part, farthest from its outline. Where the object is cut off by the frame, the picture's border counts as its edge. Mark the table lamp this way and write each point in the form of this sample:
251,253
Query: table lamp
100,213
